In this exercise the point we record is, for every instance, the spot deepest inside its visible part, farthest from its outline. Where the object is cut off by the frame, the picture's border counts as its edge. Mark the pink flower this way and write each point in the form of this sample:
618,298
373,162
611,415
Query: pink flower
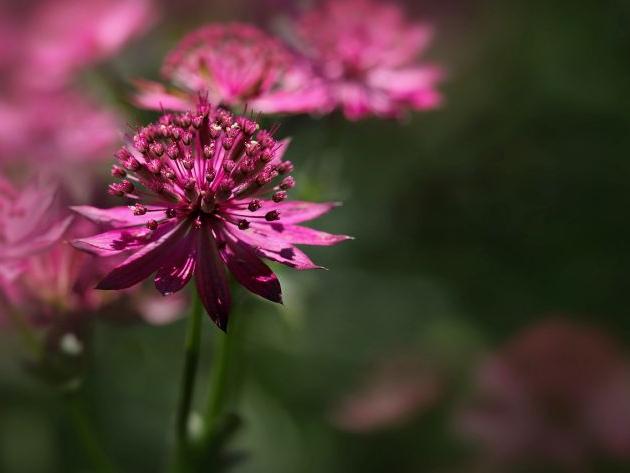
63,36
366,51
199,182
235,65
41,127
558,393
394,391
28,224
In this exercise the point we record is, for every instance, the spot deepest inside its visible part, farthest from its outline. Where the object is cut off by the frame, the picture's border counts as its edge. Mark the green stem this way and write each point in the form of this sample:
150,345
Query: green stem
85,431
218,383
191,359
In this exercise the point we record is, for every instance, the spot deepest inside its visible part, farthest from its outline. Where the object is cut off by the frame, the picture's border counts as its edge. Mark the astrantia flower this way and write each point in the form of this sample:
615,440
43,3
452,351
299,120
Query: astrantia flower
558,393
209,191
235,65
367,53
62,36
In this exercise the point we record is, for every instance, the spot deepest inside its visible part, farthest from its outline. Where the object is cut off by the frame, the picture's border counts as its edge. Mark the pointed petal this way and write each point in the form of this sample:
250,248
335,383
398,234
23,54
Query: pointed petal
291,211
299,235
266,245
211,280
174,275
115,216
249,270
116,241
145,261
154,96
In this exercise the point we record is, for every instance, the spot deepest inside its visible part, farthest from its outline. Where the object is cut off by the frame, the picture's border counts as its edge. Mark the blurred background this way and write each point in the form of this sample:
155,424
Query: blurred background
478,323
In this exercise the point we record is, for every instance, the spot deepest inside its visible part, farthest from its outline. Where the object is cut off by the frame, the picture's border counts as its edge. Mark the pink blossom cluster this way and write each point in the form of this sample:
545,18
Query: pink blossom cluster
336,56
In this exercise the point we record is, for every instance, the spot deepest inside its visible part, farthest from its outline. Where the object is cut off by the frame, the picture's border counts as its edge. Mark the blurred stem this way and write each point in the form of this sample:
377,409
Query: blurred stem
85,431
218,382
191,359
31,341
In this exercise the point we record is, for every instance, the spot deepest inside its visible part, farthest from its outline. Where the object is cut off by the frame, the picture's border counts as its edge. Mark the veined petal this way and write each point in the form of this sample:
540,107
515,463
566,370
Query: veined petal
249,270
116,241
176,273
211,280
145,261
115,216
291,211
265,244
299,235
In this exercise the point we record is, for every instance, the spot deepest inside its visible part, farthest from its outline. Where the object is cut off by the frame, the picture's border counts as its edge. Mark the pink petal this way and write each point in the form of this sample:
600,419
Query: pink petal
115,216
145,261
118,240
211,280
154,96
298,235
174,275
291,211
314,100
249,270
266,244
37,244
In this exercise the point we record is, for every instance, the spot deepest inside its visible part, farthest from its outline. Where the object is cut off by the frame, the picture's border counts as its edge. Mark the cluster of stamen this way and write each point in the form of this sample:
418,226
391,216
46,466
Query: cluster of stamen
195,165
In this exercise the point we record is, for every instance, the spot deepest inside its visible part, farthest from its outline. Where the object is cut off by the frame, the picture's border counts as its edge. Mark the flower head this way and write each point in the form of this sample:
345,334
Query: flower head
551,395
209,191
366,51
235,65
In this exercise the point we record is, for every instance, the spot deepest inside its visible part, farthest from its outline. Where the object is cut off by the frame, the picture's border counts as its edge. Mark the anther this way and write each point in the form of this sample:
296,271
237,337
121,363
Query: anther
287,183
170,213
254,205
279,196
157,149
208,150
229,166
285,167
210,175
172,151
152,225
117,171
187,138
139,209
243,224
272,215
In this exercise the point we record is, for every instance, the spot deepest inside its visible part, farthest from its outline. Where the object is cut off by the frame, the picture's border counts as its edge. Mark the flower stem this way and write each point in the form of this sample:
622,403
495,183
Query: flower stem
191,359
218,384
85,431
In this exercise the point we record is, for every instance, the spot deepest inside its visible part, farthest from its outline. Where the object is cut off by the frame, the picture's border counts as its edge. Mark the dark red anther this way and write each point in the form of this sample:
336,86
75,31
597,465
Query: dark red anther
272,216
115,189
249,127
210,175
254,205
185,120
167,173
152,225
187,138
287,183
215,131
228,143
170,213
172,151
117,171
190,184
285,167
176,132
208,150
188,162
279,196
265,139
139,209
122,155
157,149
252,148
154,166
228,166
140,143
266,155
197,121
132,164
243,224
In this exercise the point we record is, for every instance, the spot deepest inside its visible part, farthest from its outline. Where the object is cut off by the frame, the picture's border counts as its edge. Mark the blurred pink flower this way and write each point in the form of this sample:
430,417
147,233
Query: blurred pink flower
367,53
235,65
557,393
394,391
55,131
63,36
157,310
199,181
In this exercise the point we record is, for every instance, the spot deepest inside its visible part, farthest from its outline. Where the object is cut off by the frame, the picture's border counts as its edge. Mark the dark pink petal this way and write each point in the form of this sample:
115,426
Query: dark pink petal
116,241
249,270
145,261
154,96
115,216
176,273
267,245
211,280
291,211
298,235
